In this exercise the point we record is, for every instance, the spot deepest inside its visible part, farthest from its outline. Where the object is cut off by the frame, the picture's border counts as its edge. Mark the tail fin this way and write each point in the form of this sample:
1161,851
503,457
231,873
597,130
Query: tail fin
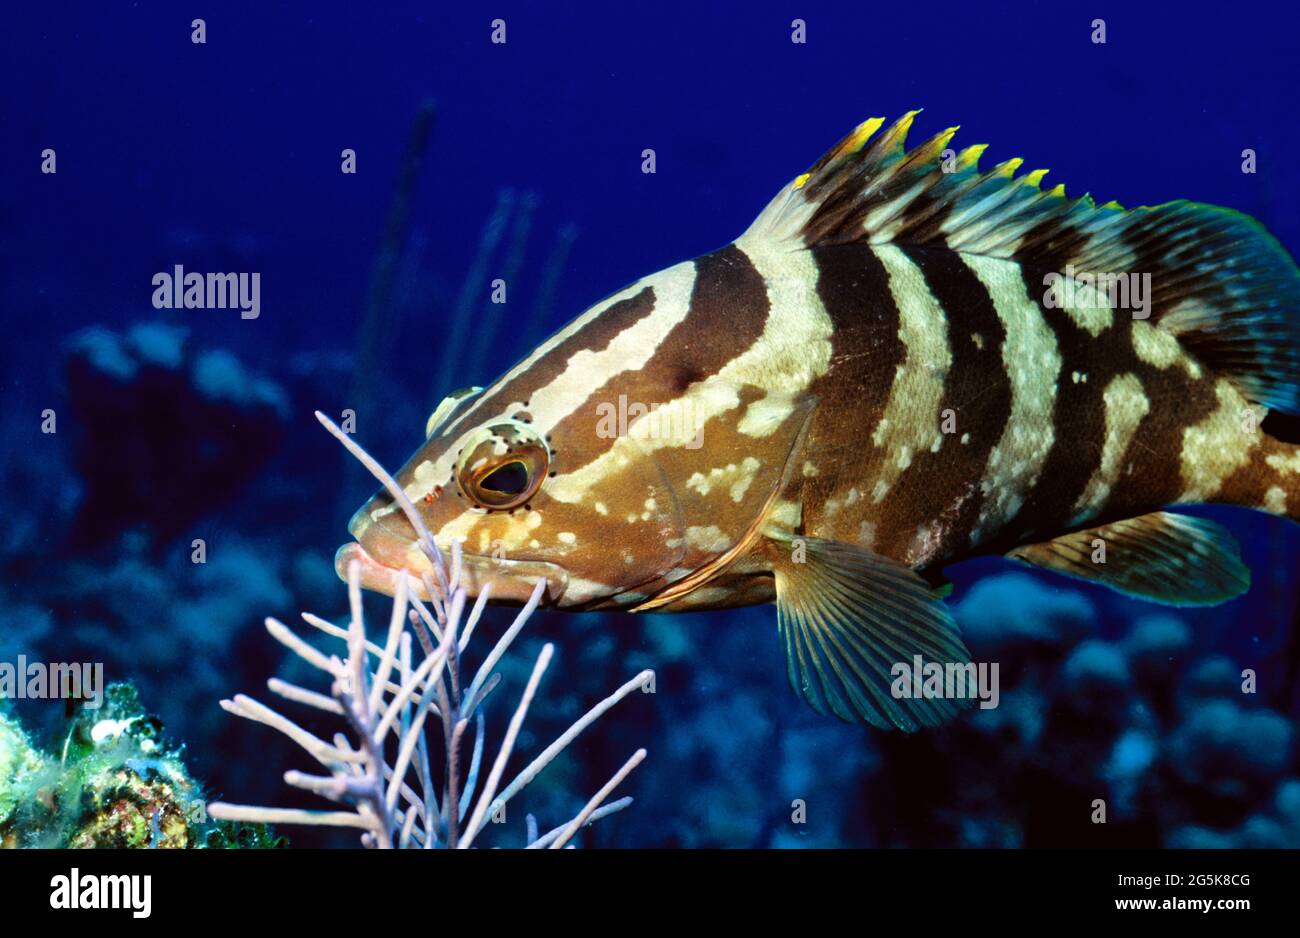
1230,293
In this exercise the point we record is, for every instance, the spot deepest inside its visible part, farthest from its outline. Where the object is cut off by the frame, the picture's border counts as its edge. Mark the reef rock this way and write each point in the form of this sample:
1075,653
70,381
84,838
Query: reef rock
164,432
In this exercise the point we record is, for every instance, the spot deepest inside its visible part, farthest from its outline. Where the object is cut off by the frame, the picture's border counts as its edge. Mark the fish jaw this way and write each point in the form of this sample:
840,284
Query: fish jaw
383,556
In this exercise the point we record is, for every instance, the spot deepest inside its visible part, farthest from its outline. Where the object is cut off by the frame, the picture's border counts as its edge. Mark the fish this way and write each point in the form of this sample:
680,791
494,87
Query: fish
904,362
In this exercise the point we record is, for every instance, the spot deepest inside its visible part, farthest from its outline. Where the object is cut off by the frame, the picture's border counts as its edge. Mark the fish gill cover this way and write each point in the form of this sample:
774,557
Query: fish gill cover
215,225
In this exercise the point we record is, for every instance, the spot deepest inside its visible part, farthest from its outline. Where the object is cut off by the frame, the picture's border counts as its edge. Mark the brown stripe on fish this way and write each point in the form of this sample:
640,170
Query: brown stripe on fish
866,354
935,503
626,353
1099,402
725,315
1269,479
909,423
594,330
730,299
1152,472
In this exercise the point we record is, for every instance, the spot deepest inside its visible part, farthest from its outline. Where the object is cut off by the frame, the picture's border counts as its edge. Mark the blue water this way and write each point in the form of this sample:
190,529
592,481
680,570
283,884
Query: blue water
226,155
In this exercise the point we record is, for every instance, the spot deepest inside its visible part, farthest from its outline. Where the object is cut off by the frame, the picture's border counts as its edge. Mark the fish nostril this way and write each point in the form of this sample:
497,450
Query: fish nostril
370,515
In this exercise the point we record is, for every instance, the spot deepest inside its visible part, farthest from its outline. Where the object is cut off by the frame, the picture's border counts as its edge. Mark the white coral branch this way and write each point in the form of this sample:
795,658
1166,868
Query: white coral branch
386,700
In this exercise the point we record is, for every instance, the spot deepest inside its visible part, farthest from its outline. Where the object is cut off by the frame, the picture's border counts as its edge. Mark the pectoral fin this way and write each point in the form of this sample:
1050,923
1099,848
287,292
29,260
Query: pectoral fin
849,618
1163,557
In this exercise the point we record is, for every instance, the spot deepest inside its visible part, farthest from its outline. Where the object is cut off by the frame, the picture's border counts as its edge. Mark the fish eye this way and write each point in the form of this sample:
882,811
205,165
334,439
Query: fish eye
510,479
502,465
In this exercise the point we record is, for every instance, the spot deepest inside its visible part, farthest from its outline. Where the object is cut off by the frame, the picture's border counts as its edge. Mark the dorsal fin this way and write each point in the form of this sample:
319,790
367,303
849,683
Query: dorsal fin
1219,282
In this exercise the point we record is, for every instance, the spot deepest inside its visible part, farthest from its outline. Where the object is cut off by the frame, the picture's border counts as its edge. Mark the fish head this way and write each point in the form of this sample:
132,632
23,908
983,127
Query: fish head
614,505
594,518
623,460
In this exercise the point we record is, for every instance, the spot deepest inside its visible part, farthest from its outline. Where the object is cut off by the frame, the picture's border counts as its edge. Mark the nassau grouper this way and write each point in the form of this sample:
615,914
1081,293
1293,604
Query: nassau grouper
904,362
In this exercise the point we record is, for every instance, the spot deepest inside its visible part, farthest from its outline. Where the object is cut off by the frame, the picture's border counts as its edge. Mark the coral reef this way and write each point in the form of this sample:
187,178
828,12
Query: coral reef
1178,753
116,783
20,763
165,432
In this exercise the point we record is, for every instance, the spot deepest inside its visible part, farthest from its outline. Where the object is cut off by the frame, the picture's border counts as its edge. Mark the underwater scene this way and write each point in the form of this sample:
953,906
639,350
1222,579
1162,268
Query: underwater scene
640,426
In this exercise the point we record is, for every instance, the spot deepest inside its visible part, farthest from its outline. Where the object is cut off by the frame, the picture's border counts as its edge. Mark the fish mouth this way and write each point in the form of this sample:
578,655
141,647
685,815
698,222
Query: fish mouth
389,558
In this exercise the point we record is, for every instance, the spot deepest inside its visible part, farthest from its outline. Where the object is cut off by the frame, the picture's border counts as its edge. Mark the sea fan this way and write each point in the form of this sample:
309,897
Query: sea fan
387,697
